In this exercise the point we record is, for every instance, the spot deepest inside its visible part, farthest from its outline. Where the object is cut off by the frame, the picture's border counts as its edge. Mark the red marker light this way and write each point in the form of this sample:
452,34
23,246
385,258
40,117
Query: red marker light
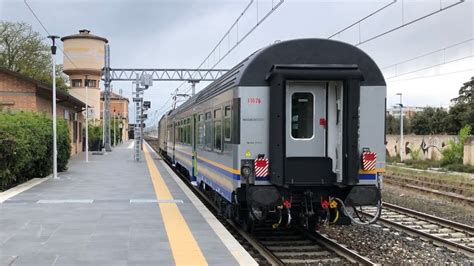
322,122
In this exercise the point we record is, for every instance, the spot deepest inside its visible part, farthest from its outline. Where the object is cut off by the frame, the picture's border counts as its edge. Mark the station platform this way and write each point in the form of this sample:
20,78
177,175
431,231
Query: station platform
113,211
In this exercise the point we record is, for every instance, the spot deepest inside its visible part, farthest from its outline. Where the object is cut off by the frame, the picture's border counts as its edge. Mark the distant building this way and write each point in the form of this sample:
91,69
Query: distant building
83,63
118,109
19,92
408,111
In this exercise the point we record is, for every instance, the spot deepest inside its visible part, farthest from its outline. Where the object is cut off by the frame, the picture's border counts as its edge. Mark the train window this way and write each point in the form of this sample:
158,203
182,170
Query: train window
218,135
189,131
302,115
217,113
227,123
200,132
185,132
208,132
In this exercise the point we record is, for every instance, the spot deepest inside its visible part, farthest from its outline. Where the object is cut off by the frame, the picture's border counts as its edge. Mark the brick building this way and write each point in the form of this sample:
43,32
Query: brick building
119,109
19,92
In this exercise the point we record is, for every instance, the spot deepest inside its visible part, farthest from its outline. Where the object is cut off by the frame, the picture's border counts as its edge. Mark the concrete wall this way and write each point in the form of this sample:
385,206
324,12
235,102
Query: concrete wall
469,151
430,146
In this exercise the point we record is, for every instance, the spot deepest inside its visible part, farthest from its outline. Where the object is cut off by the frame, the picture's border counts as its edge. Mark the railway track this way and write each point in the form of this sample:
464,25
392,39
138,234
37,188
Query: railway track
462,188
441,232
455,193
282,246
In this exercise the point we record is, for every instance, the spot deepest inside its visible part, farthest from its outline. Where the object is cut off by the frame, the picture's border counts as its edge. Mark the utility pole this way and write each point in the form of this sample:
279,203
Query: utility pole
55,148
141,124
106,117
402,145
87,118
193,86
137,131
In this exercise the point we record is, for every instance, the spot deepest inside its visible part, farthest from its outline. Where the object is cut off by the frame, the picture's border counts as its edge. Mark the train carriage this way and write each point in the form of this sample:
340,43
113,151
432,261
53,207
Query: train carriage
297,128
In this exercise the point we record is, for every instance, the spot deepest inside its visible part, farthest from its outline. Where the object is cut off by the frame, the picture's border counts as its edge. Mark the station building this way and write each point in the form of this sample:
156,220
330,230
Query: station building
19,92
118,110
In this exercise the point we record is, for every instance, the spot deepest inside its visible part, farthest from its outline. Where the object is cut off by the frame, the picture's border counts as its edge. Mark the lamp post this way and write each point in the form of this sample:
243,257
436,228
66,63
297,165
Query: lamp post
87,118
114,128
402,148
55,150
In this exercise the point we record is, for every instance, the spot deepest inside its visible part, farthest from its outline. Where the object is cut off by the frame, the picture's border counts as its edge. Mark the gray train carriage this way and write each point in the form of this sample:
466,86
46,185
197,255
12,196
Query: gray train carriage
297,128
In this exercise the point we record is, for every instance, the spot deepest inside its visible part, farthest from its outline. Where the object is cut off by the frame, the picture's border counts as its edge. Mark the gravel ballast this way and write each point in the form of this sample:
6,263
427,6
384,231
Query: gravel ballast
386,246
428,203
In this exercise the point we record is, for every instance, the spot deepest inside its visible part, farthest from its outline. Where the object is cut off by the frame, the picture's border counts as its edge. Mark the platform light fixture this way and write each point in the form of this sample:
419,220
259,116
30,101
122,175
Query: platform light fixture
402,148
87,117
55,150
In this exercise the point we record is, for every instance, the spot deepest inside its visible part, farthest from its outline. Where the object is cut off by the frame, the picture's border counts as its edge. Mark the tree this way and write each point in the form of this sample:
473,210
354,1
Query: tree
23,50
465,93
393,125
429,121
462,112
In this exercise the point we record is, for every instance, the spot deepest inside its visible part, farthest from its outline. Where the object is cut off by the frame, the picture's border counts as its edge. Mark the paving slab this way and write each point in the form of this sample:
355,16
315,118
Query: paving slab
104,212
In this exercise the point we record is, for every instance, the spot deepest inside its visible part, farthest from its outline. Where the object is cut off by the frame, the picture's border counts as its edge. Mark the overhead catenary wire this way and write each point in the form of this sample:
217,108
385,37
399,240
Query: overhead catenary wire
217,48
362,19
429,67
403,24
428,53
434,75
46,30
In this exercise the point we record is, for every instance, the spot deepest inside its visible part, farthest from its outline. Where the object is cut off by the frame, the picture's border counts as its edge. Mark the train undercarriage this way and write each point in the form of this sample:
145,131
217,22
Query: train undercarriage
308,208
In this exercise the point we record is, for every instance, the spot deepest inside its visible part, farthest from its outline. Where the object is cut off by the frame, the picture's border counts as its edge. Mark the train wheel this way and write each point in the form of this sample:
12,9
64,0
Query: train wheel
229,212
248,223
242,217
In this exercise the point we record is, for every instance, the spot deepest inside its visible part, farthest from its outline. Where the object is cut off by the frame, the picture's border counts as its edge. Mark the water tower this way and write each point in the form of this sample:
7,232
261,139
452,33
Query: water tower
83,62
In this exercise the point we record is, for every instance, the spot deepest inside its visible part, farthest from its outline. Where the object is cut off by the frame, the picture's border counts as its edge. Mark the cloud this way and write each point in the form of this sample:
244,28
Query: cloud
163,34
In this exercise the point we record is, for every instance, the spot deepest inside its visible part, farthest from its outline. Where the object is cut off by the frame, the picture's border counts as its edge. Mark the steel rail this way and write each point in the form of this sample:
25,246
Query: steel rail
457,247
268,255
339,249
431,218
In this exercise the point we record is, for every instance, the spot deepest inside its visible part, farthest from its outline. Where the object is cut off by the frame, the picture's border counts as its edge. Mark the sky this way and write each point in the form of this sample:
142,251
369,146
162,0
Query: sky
180,34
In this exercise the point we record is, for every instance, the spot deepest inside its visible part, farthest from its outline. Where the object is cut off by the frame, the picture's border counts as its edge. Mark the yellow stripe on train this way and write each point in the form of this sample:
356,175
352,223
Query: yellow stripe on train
378,170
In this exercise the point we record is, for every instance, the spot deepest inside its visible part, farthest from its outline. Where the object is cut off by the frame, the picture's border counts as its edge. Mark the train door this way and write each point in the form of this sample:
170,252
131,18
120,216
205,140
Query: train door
194,145
306,119
174,141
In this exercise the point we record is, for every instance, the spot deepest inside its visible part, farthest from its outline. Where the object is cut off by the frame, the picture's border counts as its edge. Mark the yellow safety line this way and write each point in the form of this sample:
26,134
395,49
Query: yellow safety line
185,249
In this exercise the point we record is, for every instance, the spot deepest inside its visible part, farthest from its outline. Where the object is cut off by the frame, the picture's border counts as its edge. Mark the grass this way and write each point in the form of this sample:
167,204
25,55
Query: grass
429,174
423,164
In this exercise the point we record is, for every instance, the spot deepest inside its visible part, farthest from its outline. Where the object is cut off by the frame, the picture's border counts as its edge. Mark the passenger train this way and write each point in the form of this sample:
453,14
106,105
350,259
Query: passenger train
296,131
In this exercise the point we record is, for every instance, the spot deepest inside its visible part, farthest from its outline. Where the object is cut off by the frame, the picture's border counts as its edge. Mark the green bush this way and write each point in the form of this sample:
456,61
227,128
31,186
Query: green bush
415,154
453,154
461,168
26,146
96,135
